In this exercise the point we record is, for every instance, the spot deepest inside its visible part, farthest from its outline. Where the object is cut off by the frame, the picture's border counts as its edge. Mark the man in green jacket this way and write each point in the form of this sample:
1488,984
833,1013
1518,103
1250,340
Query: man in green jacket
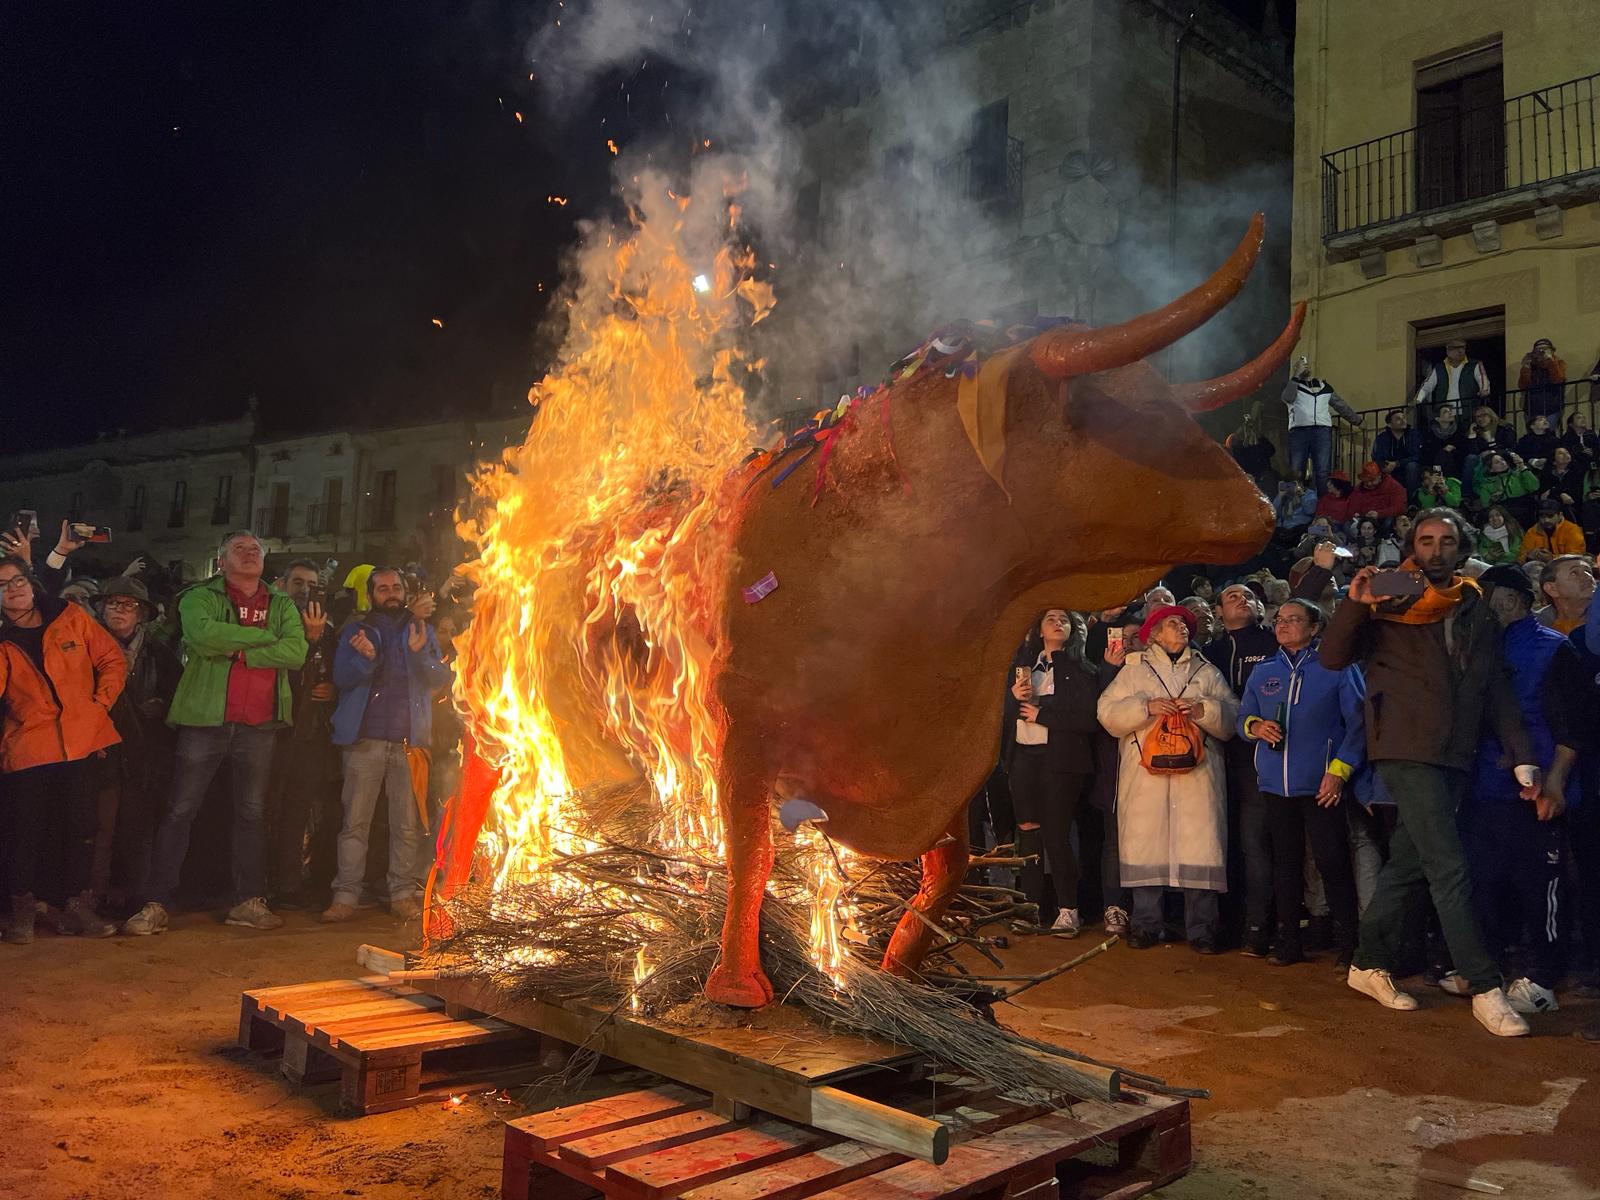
240,641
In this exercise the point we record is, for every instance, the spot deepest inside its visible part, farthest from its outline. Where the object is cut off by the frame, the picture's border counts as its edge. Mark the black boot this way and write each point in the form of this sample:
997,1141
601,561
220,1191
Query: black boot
79,918
21,931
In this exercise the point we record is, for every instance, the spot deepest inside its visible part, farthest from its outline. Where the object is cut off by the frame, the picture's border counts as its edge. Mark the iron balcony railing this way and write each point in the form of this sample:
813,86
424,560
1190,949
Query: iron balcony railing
323,520
1547,134
987,174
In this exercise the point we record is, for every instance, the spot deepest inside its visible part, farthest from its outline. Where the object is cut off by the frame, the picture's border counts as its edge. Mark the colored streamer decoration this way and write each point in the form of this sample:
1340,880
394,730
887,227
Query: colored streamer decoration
761,588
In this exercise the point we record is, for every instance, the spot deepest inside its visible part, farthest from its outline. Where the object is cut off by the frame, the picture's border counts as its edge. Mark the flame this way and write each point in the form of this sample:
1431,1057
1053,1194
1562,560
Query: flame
561,200
518,115
437,323
612,146
597,628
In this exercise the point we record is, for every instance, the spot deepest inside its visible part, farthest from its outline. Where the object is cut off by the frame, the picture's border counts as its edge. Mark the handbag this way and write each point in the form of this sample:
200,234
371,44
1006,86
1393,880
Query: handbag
1174,745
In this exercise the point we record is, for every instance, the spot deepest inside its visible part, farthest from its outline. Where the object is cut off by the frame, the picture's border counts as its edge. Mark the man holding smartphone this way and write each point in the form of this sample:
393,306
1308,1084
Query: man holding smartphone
1435,670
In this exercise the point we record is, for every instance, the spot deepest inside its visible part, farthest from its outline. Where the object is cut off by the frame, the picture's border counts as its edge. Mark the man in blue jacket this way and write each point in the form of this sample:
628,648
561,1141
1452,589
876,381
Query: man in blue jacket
1516,850
387,670
1306,724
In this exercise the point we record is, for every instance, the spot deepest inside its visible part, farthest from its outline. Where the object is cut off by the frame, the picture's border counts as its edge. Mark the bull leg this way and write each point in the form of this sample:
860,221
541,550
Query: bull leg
738,979
943,868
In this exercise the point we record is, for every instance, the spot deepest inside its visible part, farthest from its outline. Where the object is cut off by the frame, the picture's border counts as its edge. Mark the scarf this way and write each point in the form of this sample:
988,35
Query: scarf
1434,605
131,648
1501,536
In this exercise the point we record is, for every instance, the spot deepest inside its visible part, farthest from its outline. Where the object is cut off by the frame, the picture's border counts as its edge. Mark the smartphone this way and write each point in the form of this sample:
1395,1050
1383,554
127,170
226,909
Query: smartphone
26,520
1114,638
1395,582
1343,552
85,532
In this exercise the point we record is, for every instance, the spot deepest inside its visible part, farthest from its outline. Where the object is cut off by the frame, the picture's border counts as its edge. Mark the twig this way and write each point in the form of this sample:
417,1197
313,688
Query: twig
1064,967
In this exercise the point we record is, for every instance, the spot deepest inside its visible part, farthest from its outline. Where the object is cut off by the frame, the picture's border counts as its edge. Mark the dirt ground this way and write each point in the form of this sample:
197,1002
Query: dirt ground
119,1078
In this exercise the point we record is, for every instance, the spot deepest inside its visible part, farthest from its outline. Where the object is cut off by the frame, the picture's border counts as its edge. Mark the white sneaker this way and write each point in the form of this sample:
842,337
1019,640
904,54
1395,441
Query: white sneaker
152,918
1494,1013
1380,986
1526,996
1116,920
1067,923
1455,984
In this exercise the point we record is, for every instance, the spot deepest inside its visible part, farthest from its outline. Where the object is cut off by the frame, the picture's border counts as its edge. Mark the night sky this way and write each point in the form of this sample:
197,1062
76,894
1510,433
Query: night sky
207,202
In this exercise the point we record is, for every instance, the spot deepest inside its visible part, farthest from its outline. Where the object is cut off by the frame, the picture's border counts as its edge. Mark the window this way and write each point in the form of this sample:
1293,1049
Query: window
1484,331
180,505
332,505
135,516
987,150
382,507
1461,151
277,522
222,502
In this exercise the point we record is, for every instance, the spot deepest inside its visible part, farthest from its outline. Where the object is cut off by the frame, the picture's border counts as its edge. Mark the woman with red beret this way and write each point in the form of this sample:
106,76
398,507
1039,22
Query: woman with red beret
1172,825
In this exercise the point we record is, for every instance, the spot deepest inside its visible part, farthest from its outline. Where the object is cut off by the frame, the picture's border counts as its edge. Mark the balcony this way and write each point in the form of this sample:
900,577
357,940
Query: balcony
324,520
1492,163
272,522
986,174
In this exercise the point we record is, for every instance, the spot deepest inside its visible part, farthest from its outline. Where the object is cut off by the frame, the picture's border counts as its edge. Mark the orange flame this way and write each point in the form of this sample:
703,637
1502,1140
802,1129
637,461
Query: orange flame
612,146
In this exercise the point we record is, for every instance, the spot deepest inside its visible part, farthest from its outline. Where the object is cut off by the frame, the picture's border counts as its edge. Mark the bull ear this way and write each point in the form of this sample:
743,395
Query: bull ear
1211,394
1080,350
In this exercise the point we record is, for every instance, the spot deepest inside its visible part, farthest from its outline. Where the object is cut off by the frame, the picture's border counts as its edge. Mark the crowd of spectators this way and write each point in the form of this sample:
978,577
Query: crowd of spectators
295,701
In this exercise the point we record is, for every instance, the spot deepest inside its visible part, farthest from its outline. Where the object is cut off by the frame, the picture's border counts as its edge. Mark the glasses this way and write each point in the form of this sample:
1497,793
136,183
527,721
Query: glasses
1291,621
123,606
15,583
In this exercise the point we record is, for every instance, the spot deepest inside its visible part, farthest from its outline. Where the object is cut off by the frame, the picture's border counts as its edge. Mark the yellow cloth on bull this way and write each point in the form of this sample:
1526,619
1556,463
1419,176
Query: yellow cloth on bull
981,403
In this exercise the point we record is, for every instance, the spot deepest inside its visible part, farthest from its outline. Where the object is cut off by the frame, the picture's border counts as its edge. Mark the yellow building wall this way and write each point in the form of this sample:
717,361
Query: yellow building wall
1355,68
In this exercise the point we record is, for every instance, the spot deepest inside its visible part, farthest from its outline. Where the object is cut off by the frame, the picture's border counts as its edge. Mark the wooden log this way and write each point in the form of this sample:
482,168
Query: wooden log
877,1124
376,958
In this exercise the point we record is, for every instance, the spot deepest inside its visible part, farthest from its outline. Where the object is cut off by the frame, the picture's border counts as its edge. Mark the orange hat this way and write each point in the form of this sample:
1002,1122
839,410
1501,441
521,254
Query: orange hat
1370,472
1161,614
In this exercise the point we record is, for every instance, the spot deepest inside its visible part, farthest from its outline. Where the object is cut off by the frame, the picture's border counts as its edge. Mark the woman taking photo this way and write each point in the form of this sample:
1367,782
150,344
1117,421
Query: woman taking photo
1171,825
1047,747
60,673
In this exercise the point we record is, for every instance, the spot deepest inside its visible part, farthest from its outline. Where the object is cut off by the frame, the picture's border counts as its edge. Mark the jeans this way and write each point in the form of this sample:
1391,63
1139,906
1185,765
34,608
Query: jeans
201,750
371,765
1367,839
1249,847
1048,800
1313,443
1425,857
1199,912
1290,819
38,792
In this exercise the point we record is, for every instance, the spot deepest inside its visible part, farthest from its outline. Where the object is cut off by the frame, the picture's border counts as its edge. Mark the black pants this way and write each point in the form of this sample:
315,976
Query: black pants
1049,799
36,793
306,775
1583,827
1517,861
1249,858
1290,819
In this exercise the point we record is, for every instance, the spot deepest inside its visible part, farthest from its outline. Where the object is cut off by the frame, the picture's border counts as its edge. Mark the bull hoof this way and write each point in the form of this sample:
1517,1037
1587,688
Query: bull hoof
748,989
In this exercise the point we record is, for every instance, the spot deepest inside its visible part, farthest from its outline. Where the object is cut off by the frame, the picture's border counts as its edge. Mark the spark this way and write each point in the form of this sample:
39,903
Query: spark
562,201
612,146
518,116
438,324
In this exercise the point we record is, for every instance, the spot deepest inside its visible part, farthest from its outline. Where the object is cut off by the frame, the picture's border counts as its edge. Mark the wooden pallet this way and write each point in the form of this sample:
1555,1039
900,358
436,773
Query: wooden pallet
781,1062
670,1141
388,1044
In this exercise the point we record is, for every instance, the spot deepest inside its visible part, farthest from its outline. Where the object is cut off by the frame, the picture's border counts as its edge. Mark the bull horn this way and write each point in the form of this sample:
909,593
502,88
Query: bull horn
1081,350
1211,394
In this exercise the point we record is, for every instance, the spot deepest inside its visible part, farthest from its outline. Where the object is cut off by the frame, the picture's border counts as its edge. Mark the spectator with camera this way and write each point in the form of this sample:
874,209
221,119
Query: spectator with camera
387,670
1429,646
1542,377
1312,405
60,674
1438,490
241,640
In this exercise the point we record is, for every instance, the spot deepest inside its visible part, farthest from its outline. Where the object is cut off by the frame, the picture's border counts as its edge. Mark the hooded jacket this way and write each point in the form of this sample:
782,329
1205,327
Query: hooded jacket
212,636
353,673
1324,730
63,713
1547,677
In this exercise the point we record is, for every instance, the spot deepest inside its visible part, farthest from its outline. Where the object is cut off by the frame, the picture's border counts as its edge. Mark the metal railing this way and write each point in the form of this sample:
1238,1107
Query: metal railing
986,175
1352,444
1476,154
272,522
324,520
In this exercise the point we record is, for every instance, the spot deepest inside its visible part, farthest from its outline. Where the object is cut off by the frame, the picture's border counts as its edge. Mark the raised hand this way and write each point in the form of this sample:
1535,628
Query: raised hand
363,646
417,637
315,621
16,542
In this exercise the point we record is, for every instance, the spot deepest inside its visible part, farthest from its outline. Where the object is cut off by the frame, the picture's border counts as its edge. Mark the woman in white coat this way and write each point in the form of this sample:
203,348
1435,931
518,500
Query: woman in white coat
1173,829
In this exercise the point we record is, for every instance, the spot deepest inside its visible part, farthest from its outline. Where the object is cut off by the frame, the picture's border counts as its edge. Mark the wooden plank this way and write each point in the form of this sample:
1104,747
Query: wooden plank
671,1172
879,1124
437,1036
324,987
606,1148
546,1130
333,1038
376,958
795,1178
358,1007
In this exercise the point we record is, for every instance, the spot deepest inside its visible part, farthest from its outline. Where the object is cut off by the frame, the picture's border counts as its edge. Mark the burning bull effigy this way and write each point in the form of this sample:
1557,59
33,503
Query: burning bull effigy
674,636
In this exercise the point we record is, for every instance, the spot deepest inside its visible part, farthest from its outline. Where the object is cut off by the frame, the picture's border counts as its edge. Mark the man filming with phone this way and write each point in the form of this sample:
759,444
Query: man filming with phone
1429,644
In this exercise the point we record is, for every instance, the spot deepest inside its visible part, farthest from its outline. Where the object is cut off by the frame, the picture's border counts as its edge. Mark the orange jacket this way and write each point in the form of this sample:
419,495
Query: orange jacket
1566,538
64,713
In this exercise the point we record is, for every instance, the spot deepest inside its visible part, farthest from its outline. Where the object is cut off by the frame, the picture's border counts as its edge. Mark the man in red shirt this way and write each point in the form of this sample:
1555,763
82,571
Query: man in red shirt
241,641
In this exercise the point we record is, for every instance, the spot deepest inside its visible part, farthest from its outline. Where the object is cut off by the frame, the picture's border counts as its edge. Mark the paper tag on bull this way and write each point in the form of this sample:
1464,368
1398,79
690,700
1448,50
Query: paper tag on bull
761,588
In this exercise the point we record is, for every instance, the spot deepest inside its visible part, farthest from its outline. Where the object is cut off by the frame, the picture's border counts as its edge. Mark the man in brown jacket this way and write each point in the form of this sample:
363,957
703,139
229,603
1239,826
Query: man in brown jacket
1434,672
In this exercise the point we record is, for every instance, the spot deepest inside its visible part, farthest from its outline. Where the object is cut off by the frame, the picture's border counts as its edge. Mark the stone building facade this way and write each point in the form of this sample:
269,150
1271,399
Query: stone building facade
354,496
1035,162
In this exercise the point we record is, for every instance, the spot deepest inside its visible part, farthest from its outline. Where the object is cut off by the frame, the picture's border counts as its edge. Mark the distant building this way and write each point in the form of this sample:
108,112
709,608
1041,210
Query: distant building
1087,158
1446,179
357,496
